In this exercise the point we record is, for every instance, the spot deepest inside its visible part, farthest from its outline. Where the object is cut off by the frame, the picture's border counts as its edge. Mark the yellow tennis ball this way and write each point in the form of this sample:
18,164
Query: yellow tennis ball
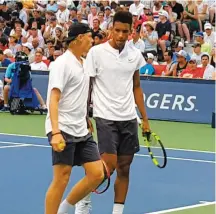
61,145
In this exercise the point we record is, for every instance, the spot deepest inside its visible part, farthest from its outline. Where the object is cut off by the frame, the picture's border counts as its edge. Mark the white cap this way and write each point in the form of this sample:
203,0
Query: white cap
164,13
8,53
182,53
150,56
62,3
28,45
180,44
207,26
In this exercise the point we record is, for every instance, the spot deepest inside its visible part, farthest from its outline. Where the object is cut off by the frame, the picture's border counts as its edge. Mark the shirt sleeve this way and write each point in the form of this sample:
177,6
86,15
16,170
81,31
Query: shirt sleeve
90,63
9,69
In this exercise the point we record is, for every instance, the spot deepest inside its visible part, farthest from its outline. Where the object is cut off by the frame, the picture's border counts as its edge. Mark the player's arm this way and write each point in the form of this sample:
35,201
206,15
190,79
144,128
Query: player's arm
139,100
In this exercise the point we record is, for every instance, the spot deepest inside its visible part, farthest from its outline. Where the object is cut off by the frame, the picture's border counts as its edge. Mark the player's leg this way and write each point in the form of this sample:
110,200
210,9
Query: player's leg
6,91
108,138
62,165
128,146
86,154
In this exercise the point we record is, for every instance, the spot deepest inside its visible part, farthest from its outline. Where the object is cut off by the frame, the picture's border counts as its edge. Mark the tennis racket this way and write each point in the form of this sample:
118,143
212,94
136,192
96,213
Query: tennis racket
156,149
104,186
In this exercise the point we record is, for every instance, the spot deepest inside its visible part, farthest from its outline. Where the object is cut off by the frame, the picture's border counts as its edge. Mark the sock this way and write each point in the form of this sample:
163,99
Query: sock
65,207
6,105
118,208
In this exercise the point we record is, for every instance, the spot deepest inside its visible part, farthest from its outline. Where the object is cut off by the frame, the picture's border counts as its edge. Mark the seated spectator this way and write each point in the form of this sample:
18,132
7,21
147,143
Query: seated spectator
18,24
209,72
84,10
205,47
50,28
9,55
192,71
148,68
52,6
4,61
170,65
178,9
49,45
103,24
180,46
62,13
59,36
163,29
96,27
13,44
92,16
136,21
157,8
27,49
73,14
98,39
197,52
212,11
38,64
3,43
150,38
202,7
209,34
213,56
34,34
190,22
136,7
136,41
149,19
181,63
56,54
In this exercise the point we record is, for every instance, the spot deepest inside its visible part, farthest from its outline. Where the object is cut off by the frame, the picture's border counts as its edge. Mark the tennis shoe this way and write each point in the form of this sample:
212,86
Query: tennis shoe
84,206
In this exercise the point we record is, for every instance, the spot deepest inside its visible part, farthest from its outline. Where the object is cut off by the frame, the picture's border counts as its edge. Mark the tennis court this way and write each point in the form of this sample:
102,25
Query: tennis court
185,186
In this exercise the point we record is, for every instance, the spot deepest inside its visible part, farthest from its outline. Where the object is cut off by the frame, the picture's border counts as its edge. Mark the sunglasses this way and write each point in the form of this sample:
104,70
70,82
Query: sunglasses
192,62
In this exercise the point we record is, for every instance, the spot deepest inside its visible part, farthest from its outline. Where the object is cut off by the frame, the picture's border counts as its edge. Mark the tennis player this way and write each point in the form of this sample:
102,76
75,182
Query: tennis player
66,124
114,68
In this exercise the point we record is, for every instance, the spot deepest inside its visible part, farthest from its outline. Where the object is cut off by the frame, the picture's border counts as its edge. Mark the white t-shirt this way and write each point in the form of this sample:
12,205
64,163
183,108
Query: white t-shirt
208,73
140,45
112,95
136,9
41,66
69,76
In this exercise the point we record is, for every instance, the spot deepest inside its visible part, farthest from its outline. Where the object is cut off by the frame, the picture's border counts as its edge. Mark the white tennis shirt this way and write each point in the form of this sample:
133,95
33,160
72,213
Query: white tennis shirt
112,95
68,75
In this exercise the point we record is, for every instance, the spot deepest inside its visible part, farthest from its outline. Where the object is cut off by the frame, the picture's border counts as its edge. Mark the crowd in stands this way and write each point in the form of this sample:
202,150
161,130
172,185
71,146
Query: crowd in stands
176,38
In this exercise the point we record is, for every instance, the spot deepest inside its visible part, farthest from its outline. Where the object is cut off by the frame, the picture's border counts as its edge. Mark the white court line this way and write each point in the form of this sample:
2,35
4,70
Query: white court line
182,159
177,149
14,146
183,208
139,155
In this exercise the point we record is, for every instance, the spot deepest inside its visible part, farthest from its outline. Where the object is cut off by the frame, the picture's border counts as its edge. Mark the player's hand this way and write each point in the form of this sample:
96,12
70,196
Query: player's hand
145,128
58,143
90,126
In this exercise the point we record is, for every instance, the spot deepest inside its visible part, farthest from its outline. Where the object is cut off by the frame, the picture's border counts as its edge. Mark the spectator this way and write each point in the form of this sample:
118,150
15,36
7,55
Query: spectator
8,54
2,35
63,13
192,71
181,63
38,64
108,17
148,68
35,44
84,9
18,23
34,34
22,13
73,14
103,23
4,61
197,53
205,47
4,11
157,8
50,28
5,29
136,41
170,65
209,34
93,15
190,22
209,72
179,47
13,44
150,38
178,9
163,29
96,27
52,6
98,39
136,7
27,49
213,57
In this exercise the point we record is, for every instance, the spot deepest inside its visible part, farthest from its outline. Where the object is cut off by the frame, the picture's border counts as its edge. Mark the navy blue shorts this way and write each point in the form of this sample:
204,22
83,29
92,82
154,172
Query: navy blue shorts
78,150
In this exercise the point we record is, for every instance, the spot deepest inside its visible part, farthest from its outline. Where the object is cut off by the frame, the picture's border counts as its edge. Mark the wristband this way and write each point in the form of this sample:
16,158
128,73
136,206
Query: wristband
55,133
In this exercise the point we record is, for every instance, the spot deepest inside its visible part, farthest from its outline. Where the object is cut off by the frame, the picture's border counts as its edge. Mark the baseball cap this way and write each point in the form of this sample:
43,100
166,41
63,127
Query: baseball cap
193,59
207,26
8,52
196,44
76,29
107,8
150,56
199,34
182,53
164,13
28,45
62,3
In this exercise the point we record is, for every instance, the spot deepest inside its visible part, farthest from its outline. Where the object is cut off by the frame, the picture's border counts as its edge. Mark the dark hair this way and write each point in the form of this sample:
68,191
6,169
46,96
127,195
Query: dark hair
123,17
170,53
205,55
1,52
19,5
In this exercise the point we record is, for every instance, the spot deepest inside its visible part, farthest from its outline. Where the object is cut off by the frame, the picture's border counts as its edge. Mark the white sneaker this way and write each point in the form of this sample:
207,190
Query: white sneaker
84,206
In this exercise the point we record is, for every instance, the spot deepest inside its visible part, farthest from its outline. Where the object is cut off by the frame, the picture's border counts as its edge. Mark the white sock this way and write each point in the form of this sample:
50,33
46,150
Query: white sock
118,208
65,207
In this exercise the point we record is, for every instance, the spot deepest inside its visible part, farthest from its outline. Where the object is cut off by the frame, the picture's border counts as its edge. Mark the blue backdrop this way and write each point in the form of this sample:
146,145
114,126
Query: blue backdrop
166,98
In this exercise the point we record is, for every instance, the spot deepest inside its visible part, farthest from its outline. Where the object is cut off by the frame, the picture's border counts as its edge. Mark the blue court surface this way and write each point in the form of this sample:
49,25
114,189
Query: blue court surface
26,173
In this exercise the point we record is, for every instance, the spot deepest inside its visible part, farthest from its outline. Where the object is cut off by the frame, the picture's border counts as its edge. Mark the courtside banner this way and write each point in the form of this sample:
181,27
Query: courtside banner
179,99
